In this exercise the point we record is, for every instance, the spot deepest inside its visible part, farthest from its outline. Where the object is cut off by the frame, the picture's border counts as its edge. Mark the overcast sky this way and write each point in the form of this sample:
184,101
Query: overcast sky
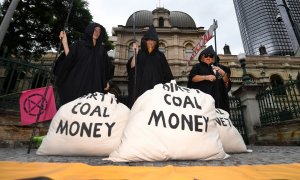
111,13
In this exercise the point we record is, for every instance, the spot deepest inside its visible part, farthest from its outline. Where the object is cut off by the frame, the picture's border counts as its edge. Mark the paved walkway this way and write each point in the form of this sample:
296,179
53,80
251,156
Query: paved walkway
260,155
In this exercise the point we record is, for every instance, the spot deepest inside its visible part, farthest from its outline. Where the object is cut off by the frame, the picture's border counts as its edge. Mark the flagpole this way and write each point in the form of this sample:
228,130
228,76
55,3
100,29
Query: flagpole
216,62
203,40
47,85
135,62
216,50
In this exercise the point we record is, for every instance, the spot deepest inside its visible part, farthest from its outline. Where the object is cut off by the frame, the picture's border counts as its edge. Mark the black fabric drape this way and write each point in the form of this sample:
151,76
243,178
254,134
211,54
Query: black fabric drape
86,68
216,89
152,68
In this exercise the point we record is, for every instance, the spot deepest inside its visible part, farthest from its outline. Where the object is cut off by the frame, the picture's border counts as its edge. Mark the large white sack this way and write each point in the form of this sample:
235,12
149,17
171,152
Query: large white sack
170,122
231,139
91,125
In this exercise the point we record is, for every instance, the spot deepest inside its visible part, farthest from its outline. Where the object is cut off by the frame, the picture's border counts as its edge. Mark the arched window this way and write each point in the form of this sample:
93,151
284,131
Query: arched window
188,50
130,51
161,22
162,48
277,85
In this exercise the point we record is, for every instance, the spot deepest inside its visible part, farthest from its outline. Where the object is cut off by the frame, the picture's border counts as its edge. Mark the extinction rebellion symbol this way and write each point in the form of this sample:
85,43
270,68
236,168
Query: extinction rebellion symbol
33,105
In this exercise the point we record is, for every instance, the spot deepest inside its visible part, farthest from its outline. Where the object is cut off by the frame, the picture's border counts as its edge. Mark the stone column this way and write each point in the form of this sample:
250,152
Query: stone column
247,93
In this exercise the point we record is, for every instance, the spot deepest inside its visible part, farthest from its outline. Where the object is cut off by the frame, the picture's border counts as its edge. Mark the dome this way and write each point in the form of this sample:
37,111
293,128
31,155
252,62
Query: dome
181,19
142,18
177,19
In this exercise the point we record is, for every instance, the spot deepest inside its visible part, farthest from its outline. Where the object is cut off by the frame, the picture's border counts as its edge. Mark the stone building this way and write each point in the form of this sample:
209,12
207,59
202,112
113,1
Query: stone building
178,35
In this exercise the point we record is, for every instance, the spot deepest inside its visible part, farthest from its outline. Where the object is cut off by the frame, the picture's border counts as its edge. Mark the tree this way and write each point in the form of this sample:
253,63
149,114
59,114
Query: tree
36,24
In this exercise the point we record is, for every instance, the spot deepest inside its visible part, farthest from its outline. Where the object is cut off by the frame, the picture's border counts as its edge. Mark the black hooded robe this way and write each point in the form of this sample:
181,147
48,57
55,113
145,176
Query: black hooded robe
86,68
216,88
152,68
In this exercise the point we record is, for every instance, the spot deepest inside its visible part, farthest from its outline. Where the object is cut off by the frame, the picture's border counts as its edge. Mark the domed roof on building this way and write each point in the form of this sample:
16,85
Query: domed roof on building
142,18
181,19
178,19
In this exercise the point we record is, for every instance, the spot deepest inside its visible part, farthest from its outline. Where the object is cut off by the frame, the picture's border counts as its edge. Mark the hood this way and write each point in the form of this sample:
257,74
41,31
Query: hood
88,33
208,50
150,34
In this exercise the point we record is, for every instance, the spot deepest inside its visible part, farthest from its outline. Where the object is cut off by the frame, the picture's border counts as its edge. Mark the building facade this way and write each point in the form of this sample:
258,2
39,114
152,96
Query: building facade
266,23
177,33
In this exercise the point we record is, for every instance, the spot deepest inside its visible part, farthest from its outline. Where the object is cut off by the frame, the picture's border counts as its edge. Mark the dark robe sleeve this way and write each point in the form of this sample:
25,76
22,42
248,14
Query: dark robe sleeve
130,71
131,79
205,86
62,67
64,64
58,64
228,72
168,76
193,72
222,99
112,66
138,75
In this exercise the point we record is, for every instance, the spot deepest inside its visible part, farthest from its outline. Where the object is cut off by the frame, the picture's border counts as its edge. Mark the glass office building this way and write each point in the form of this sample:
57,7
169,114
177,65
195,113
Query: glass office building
259,26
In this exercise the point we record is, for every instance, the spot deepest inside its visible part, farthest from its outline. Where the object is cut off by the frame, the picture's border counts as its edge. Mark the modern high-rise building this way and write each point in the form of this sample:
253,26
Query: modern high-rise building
270,24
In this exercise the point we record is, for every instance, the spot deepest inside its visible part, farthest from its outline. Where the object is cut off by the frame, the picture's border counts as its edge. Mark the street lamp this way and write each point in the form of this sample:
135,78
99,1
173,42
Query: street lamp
242,59
291,26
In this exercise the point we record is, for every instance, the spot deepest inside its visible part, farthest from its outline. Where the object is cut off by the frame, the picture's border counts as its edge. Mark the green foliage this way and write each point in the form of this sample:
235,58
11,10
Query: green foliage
36,24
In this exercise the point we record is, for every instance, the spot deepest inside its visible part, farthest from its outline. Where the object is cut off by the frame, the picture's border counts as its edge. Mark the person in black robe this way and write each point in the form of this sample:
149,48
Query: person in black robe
152,67
84,67
211,78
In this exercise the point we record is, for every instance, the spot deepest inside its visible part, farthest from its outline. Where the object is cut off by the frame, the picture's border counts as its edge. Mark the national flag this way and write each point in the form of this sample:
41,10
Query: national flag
32,103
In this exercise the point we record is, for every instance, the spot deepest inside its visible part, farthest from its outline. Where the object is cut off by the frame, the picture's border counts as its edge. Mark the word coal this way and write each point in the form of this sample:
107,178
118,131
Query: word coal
81,128
86,108
177,101
196,123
